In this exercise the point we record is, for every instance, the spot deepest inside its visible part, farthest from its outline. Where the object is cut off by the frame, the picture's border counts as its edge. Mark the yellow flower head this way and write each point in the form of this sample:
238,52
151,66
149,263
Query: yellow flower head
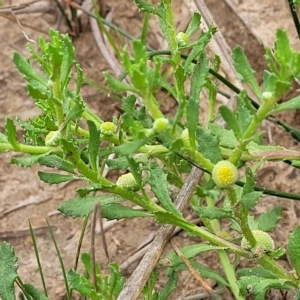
108,128
224,174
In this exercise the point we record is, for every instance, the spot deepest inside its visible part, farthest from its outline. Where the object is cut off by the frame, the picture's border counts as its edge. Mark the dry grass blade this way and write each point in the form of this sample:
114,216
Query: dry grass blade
196,275
24,232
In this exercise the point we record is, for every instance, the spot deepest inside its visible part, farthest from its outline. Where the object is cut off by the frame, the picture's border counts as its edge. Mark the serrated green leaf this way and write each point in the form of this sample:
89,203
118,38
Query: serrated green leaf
242,66
116,280
169,287
269,220
81,284
208,145
259,272
147,7
68,59
250,182
8,271
27,161
226,137
129,148
53,178
34,292
293,249
11,133
203,40
192,107
194,24
291,104
29,72
249,200
94,142
75,113
213,212
54,161
259,285
3,138
244,111
79,80
230,119
80,207
159,185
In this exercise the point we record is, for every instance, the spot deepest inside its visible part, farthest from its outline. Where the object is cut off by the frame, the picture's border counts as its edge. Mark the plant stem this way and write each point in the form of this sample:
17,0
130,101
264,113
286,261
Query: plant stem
230,274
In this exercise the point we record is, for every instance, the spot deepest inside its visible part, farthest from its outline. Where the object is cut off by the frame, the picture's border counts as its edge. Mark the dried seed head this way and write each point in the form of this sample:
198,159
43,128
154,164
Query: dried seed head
262,238
224,174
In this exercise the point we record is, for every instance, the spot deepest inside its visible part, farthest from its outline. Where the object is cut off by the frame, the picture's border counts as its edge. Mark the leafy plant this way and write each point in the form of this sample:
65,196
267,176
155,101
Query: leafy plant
146,141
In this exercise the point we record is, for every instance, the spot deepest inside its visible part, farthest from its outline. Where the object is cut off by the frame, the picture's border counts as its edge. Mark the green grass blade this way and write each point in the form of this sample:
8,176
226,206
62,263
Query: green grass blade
36,251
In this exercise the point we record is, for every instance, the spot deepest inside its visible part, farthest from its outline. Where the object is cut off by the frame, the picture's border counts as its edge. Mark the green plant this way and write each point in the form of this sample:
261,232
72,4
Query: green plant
148,142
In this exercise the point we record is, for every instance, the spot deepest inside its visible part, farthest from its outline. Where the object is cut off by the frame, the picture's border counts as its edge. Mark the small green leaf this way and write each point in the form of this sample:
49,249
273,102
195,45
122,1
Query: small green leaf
11,133
249,200
269,220
81,284
3,138
27,161
213,212
93,148
244,111
29,72
169,287
116,280
259,285
147,7
159,185
242,66
292,104
80,207
293,249
34,292
8,271
194,24
117,85
250,182
129,148
203,40
54,161
192,106
230,119
53,178
208,145
226,137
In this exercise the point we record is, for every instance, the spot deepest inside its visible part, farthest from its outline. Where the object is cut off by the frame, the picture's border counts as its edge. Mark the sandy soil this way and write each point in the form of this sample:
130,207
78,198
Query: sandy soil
23,197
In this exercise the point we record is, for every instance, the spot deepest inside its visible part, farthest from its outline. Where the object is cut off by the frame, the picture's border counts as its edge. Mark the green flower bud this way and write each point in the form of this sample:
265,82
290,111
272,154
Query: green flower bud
160,124
182,39
267,96
128,182
108,128
224,174
263,240
52,138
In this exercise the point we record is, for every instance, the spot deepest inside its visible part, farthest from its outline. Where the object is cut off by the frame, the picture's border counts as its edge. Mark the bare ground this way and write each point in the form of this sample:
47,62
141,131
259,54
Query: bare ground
23,197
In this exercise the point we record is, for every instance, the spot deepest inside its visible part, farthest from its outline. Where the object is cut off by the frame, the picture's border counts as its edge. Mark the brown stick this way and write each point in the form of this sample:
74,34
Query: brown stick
136,282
